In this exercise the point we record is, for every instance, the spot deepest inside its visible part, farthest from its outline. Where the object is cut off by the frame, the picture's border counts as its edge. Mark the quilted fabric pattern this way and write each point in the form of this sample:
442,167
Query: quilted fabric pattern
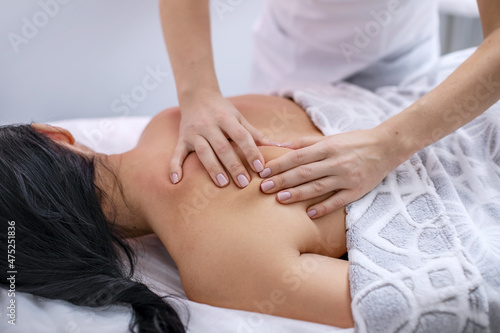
424,245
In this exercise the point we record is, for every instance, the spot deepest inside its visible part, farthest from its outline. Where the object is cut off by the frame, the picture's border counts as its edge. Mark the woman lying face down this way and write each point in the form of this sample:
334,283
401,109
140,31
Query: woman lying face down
235,248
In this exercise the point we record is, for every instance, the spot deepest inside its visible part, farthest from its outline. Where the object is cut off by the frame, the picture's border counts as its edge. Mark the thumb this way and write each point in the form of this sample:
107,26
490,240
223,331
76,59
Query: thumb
180,153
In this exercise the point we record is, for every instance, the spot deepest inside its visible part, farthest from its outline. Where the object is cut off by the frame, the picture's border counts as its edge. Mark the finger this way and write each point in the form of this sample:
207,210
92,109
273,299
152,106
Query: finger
260,138
245,141
310,190
337,201
257,135
210,162
300,175
292,160
305,142
180,153
297,176
228,157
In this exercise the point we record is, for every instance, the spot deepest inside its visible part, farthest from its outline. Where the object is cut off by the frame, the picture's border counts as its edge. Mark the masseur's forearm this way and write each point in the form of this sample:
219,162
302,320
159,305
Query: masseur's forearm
470,90
186,29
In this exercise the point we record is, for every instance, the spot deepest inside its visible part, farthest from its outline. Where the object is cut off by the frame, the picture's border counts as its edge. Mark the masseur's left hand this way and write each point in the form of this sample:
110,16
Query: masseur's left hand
353,163
346,165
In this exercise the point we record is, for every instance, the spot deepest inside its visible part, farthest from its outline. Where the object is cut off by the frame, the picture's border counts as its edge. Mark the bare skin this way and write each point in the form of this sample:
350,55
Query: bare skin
207,117
235,248
347,165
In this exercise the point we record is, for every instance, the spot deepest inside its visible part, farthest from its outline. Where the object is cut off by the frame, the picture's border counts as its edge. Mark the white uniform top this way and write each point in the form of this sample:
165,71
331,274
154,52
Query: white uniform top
368,42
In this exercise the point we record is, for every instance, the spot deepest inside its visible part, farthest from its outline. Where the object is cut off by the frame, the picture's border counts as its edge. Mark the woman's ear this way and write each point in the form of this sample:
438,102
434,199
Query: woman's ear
55,133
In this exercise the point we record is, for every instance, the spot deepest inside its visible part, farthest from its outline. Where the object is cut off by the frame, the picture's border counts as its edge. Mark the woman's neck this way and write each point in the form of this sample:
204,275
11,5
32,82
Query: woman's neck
117,176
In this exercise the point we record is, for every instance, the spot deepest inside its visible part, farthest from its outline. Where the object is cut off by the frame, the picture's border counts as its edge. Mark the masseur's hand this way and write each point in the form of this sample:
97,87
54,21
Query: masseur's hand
208,120
345,165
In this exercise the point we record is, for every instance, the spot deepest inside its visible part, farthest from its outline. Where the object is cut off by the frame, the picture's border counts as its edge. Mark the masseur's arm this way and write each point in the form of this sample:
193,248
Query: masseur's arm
207,118
354,163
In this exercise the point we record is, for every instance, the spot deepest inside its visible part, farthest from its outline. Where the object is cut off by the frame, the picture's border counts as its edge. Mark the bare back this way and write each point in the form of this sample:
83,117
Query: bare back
240,248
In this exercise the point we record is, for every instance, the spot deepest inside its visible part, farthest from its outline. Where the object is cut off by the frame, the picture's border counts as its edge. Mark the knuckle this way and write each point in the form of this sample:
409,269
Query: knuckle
332,164
275,165
181,147
202,150
350,169
240,134
343,166
358,184
321,209
280,182
234,168
319,186
299,157
251,153
338,202
297,194
358,176
192,128
213,169
221,117
224,148
355,178
304,172
217,115
323,150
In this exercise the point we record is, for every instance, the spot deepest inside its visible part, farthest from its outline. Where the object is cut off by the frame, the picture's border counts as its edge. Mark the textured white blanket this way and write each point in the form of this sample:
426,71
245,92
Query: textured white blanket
424,245
435,267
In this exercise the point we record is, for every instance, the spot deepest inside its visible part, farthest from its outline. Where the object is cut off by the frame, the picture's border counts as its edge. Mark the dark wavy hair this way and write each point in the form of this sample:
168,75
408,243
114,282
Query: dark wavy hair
65,248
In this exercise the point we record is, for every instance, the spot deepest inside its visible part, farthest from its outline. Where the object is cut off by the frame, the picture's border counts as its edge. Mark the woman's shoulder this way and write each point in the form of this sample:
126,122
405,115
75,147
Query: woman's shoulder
164,125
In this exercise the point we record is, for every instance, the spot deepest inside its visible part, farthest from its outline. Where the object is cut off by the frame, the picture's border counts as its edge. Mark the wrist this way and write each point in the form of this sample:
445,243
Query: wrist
196,80
396,147
196,95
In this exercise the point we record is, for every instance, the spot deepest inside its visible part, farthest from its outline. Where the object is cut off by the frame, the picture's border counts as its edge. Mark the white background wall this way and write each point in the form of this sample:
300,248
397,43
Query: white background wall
90,54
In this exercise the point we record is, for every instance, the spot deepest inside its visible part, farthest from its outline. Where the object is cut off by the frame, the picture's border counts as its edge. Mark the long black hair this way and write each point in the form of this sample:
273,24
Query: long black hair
65,248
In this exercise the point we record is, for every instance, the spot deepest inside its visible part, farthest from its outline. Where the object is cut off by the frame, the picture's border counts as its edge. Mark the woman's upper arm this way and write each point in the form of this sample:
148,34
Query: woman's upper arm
489,11
313,288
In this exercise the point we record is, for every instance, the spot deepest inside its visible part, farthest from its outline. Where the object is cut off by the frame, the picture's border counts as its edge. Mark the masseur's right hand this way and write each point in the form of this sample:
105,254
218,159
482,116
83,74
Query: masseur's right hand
207,121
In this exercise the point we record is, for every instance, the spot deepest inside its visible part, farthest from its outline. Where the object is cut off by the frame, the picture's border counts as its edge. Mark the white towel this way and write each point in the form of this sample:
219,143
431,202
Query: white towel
424,245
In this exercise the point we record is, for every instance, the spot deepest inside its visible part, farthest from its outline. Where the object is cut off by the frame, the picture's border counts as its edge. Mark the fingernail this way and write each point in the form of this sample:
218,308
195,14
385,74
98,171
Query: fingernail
286,144
275,143
174,178
311,213
242,180
284,196
265,173
266,186
258,165
221,179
